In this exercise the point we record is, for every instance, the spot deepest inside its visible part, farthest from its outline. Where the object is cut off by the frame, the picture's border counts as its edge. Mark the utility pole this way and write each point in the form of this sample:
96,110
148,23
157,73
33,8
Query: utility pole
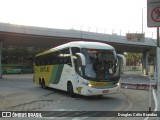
158,71
142,20
153,20
158,61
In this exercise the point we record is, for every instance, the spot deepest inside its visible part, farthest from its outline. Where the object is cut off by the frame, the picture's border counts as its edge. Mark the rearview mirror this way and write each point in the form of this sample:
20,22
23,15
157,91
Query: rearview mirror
82,58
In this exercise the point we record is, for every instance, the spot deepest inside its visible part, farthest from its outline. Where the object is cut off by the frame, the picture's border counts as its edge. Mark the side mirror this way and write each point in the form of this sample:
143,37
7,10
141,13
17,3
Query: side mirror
123,59
82,58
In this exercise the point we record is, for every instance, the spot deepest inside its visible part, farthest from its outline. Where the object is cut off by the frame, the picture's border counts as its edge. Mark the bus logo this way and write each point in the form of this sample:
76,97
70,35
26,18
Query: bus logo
6,114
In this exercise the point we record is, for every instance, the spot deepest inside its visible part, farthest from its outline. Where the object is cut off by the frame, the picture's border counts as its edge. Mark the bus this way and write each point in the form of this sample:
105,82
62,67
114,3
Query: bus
85,68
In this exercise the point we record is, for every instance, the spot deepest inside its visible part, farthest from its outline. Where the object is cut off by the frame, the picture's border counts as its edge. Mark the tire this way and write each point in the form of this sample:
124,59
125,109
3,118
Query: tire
43,84
40,81
70,90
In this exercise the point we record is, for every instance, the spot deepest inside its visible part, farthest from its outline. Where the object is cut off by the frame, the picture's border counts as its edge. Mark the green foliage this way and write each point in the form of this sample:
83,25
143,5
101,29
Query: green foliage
19,54
133,58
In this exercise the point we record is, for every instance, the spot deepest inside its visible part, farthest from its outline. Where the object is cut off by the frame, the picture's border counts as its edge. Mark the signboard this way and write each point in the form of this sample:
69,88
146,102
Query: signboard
153,13
135,36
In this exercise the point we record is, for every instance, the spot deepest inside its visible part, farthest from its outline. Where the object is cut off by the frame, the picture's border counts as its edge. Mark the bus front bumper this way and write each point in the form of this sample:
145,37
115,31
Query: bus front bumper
89,91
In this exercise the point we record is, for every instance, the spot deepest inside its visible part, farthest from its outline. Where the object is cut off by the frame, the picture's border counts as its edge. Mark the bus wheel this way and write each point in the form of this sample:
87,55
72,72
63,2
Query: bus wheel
43,84
70,90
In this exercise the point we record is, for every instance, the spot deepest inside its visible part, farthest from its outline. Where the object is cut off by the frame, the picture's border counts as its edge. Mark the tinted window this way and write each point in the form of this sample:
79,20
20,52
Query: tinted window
58,57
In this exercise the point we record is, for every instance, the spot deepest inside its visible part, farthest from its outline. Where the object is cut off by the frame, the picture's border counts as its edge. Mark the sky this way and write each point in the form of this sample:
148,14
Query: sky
92,15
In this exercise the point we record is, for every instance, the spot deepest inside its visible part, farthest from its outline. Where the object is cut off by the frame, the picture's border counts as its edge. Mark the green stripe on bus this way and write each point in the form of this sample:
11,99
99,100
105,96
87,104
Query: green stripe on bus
56,74
54,70
59,72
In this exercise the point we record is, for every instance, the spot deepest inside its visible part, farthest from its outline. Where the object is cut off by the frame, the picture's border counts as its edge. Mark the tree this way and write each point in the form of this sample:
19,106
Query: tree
13,55
133,58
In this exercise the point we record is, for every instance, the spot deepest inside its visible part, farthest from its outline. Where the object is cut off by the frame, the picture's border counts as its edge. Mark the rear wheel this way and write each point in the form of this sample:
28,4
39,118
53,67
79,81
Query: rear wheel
43,85
70,90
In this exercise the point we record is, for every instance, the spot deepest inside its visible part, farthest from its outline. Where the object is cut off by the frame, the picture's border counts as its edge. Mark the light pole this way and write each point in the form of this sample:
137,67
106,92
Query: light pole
150,85
142,19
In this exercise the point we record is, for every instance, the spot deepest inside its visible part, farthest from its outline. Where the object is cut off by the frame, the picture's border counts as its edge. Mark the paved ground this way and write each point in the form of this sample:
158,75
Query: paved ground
19,91
23,95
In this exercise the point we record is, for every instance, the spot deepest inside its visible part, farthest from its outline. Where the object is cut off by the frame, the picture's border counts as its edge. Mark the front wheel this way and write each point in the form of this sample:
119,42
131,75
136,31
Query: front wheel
70,90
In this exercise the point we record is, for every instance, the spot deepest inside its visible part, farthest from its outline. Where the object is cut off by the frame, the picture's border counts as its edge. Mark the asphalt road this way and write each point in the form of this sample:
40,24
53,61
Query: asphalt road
19,93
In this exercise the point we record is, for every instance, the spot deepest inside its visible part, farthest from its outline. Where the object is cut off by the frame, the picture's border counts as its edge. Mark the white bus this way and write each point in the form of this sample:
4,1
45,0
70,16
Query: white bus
85,68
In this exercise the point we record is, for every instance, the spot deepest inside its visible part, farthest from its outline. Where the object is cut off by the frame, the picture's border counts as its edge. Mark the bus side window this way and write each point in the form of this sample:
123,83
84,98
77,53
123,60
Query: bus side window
52,58
55,58
36,61
59,57
75,50
49,59
65,57
40,61
68,58
45,60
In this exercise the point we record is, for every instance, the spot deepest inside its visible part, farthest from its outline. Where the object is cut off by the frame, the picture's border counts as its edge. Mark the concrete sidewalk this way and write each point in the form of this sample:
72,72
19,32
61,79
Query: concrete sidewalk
137,78
134,78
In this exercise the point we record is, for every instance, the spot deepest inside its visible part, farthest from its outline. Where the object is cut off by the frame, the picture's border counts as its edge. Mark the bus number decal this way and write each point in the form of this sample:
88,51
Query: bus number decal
79,89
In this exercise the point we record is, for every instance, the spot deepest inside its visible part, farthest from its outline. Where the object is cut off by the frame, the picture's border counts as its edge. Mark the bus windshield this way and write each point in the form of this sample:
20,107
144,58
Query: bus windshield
100,64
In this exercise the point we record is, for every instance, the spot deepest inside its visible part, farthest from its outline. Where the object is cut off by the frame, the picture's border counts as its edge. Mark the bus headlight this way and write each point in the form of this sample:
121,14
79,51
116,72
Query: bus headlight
89,85
118,84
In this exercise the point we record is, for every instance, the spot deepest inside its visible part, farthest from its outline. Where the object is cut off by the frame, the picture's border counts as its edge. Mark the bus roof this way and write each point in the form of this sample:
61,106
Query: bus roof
80,44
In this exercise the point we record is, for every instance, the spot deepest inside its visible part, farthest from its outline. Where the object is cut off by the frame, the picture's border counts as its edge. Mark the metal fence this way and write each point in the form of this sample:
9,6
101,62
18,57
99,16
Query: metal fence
112,31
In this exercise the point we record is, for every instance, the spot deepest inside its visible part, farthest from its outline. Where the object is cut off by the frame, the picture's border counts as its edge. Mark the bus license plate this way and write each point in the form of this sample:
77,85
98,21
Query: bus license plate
105,91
